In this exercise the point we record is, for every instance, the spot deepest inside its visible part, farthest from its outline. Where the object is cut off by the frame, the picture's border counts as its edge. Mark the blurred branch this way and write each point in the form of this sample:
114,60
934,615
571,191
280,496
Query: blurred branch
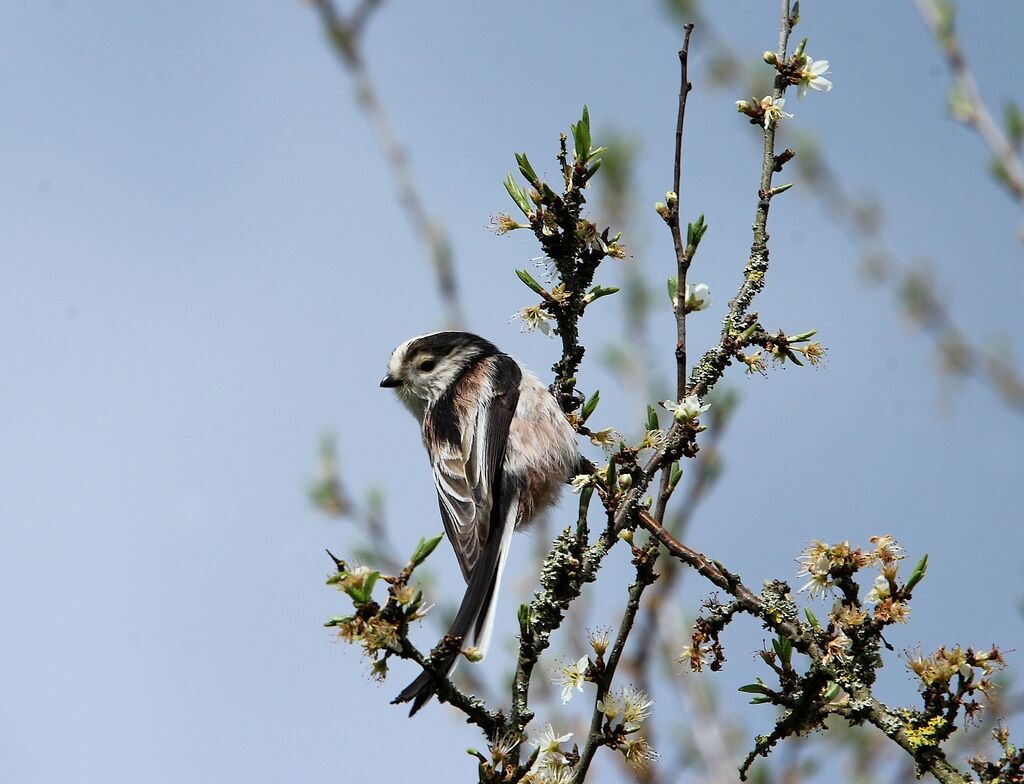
344,33
329,494
916,288
966,101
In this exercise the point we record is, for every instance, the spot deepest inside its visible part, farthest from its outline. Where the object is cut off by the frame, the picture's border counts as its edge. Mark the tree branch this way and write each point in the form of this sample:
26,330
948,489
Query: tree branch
644,560
684,254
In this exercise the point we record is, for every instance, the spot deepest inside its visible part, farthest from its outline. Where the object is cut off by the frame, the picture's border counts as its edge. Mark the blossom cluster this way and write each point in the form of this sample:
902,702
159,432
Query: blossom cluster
379,630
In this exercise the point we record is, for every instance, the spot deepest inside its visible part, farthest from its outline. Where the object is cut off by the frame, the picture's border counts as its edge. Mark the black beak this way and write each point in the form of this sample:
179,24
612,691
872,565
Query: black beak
390,381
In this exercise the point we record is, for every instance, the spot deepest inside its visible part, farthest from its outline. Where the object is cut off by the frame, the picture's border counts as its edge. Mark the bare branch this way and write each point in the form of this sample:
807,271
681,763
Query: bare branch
684,254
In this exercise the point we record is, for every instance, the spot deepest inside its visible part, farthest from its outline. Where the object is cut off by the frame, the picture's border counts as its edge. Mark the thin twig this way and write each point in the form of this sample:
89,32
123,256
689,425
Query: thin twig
683,253
474,708
644,577
712,365
696,492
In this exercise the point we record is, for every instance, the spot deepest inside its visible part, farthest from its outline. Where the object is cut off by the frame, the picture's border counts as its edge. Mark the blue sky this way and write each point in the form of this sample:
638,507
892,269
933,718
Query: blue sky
205,268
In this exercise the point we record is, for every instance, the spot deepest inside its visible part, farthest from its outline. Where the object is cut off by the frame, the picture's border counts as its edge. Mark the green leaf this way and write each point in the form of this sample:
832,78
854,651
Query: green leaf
676,475
517,195
760,700
811,618
673,289
361,594
652,418
802,337
695,231
528,279
581,136
784,648
585,495
747,332
601,291
524,618
753,688
917,575
526,168
590,405
424,549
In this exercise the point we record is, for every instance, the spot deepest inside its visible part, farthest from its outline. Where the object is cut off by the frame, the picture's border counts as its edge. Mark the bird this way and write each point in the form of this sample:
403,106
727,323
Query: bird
501,450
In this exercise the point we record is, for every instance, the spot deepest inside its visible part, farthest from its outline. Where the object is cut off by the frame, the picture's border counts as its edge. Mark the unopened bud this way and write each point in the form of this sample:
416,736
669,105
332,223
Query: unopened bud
770,57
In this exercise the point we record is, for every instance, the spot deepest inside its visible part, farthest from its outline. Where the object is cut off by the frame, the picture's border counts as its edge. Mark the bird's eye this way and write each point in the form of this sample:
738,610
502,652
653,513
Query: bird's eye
427,365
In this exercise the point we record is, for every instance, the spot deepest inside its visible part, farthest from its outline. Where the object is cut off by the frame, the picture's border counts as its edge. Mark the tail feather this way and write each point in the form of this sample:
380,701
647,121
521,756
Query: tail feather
476,612
485,620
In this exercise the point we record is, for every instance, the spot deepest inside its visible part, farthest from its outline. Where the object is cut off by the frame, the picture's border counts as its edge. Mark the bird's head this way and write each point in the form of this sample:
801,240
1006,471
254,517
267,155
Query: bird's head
423,368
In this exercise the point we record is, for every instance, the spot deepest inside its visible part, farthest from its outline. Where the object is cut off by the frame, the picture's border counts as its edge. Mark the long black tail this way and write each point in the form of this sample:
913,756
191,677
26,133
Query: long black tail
469,618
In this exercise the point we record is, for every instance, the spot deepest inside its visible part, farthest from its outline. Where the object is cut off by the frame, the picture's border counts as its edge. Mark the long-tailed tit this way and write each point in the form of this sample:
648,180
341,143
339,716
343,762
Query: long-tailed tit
501,449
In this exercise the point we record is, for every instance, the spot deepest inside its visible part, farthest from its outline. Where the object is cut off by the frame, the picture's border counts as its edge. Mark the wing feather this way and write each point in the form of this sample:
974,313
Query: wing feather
467,473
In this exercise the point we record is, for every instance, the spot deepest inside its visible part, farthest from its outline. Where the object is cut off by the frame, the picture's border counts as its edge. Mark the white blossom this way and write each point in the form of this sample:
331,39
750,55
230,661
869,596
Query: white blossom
534,317
572,676
817,568
879,591
688,410
610,705
580,481
697,297
812,76
773,109
638,752
636,707
549,748
838,648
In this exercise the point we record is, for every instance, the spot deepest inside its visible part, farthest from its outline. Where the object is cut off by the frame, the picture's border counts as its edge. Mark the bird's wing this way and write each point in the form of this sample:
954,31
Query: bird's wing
467,463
